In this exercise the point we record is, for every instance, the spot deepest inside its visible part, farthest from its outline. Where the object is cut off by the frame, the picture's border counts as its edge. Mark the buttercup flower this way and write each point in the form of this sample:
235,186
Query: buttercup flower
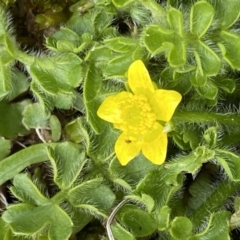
141,115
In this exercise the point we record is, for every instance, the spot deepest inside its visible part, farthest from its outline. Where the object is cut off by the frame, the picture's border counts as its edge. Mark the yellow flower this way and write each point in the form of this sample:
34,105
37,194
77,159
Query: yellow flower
140,115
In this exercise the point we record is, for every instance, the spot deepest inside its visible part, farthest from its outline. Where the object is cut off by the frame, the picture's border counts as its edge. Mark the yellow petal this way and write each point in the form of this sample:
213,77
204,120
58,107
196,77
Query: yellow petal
153,133
126,150
156,151
109,109
164,103
139,80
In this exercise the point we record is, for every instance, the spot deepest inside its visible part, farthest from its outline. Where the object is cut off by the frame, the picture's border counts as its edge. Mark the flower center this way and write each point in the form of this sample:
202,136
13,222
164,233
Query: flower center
137,117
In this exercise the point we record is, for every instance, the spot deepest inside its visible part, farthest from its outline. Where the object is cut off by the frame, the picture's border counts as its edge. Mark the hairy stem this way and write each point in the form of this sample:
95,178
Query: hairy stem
206,117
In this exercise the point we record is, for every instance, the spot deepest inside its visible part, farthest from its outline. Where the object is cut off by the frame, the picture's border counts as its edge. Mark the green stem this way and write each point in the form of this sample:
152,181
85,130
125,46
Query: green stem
15,163
59,197
159,14
206,117
215,201
24,58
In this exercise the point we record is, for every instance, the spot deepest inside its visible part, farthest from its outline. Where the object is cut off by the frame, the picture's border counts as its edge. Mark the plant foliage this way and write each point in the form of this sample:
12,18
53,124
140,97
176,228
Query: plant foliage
57,157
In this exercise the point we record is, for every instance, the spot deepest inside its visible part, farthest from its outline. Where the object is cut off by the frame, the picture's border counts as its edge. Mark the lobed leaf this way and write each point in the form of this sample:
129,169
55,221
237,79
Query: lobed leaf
201,18
163,218
11,118
210,61
209,90
93,196
33,120
139,222
25,190
175,19
227,12
230,48
181,228
68,160
157,39
27,220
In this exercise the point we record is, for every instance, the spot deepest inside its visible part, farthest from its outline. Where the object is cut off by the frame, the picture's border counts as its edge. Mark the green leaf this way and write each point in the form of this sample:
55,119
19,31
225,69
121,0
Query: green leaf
230,163
93,83
44,79
235,218
11,118
46,101
55,127
92,196
177,55
101,22
158,39
79,218
118,66
93,99
64,100
121,44
198,80
9,45
5,147
121,3
81,23
76,131
120,233
5,57
33,120
139,222
123,184
210,61
181,228
209,90
201,188
24,189
227,12
57,73
217,228
5,231
230,47
27,220
163,218
64,35
210,137
227,84
20,84
104,143
175,19
100,55
201,17
143,200
133,172
68,160
81,6
159,186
